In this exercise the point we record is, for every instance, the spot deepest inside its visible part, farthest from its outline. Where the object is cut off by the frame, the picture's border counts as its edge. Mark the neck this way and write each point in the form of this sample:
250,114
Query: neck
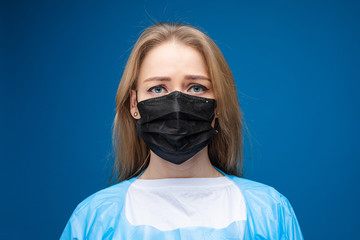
199,166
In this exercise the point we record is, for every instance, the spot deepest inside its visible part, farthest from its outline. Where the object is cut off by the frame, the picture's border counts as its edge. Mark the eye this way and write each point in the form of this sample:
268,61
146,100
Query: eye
198,88
157,89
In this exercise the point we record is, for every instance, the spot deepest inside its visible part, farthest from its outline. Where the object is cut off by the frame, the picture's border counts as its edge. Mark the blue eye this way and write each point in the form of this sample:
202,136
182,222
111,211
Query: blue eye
156,89
197,88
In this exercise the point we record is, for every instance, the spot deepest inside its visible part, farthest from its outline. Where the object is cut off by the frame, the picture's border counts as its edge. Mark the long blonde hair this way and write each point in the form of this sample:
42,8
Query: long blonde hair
225,150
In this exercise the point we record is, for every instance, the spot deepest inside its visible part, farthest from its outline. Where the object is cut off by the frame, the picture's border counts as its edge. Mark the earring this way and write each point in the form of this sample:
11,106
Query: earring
135,114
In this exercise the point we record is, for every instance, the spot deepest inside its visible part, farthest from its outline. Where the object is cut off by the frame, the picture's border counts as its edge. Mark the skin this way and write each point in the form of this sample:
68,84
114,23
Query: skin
173,66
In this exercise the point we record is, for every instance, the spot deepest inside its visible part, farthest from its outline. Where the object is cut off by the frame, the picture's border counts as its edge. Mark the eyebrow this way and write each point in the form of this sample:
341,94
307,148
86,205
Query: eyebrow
187,77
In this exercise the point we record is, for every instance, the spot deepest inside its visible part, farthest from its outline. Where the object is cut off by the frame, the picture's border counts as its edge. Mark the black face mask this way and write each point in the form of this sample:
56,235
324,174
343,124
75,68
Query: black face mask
176,126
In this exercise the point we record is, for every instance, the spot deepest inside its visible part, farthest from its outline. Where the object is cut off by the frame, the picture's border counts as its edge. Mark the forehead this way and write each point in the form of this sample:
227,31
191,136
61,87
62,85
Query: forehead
171,58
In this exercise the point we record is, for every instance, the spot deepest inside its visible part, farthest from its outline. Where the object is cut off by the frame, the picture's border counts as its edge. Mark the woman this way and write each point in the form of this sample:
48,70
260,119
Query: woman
178,142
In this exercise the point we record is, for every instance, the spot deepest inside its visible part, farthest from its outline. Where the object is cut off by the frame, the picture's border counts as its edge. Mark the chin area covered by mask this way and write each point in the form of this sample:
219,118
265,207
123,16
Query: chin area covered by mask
176,126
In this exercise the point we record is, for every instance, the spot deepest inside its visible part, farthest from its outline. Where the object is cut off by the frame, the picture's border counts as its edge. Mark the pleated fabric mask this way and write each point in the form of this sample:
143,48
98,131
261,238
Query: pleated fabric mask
176,126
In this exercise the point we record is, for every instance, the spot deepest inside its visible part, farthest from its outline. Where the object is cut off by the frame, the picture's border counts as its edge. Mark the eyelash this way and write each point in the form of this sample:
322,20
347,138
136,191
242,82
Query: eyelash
203,88
158,86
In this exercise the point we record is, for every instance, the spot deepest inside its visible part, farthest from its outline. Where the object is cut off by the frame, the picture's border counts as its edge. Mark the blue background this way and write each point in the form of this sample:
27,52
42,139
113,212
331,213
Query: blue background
296,65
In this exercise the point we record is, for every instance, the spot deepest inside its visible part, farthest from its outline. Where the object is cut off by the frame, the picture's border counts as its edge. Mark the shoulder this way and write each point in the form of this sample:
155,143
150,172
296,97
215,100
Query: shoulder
270,214
97,213
254,191
263,201
113,196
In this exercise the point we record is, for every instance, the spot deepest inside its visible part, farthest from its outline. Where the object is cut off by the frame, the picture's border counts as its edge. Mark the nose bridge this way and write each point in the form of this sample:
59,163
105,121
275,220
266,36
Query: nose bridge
177,107
178,86
176,102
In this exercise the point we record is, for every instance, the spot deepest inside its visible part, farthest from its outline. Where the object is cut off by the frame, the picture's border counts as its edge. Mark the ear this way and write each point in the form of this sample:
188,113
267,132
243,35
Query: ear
216,113
134,111
216,116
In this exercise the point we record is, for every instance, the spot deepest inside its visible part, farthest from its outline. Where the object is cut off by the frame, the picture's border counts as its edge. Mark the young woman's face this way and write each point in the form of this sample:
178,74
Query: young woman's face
169,67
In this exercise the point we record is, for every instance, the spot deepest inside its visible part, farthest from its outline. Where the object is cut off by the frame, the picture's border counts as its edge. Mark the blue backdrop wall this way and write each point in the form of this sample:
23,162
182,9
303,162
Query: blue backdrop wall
296,65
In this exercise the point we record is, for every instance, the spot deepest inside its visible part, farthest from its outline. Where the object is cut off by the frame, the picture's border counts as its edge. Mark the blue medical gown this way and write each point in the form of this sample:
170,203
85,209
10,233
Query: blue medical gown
269,215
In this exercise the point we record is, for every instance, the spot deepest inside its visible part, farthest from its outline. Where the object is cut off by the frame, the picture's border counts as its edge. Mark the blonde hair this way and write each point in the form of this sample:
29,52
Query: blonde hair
225,150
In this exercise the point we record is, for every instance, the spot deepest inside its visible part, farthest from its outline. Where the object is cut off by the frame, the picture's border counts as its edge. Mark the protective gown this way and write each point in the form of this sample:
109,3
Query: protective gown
226,207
